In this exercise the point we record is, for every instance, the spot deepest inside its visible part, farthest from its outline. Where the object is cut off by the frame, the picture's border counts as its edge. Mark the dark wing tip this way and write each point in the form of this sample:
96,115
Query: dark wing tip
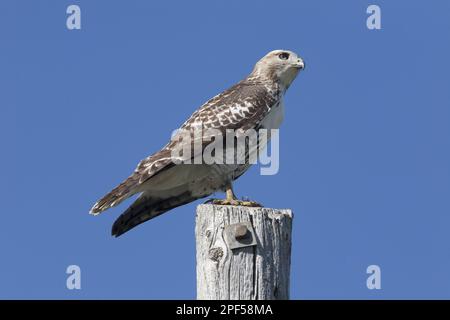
117,229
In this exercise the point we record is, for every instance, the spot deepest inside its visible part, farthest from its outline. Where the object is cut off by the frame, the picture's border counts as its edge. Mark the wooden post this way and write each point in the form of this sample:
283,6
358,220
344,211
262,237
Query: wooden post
243,253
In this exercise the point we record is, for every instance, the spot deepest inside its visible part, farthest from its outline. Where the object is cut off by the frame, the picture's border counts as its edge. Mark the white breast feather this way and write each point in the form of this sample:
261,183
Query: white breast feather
275,117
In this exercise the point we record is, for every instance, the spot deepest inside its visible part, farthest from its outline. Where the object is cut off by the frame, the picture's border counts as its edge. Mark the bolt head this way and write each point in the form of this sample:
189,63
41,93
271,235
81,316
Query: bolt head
240,232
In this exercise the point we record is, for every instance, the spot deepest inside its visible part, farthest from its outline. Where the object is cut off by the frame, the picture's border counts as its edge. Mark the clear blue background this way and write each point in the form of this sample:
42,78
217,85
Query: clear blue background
365,146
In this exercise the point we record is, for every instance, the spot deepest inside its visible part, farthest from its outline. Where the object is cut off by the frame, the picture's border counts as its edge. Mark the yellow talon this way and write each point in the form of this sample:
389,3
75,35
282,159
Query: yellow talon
232,201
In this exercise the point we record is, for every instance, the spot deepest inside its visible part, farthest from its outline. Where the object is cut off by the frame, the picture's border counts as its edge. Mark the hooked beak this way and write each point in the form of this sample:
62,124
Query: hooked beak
300,64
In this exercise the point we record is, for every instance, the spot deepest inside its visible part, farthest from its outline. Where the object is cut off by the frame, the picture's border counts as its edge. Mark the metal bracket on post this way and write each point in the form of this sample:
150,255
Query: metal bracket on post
240,235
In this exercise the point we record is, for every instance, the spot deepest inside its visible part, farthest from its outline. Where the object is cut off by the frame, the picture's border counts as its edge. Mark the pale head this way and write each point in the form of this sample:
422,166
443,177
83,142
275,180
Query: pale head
279,65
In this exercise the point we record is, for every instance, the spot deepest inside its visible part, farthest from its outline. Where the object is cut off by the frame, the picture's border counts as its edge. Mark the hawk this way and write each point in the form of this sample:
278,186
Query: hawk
163,184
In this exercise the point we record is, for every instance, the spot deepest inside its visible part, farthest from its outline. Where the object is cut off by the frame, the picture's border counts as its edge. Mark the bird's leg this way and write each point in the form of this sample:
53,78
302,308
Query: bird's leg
230,194
231,200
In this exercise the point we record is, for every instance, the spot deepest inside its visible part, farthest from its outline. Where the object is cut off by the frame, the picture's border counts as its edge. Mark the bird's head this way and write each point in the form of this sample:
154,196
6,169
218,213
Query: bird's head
279,65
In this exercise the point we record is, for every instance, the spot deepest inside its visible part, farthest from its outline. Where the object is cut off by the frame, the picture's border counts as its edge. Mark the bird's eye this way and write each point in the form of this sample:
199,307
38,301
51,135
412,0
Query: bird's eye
283,56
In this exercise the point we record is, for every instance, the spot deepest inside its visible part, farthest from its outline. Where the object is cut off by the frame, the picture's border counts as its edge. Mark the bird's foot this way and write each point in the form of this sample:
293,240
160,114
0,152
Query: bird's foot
234,202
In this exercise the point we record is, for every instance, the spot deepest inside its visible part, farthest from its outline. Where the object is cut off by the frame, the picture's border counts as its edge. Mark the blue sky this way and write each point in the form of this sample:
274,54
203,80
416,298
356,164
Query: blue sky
365,146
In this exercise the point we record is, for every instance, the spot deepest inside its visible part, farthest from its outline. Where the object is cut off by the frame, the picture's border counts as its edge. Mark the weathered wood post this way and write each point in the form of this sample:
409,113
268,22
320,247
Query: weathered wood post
243,253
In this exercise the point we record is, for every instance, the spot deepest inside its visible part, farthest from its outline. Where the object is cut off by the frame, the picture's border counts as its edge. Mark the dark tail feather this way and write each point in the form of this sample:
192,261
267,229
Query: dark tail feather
145,208
116,196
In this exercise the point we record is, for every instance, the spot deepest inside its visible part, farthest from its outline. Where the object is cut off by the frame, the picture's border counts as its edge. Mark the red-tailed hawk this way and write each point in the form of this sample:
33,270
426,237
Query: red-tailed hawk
163,184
